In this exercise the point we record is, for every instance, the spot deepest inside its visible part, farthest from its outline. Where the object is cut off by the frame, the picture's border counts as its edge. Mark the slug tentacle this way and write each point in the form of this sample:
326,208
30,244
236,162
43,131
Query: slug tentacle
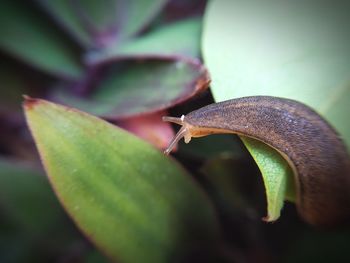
184,132
179,121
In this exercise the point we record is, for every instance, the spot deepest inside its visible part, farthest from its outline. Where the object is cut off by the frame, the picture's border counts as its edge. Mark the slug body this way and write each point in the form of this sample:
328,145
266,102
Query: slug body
313,149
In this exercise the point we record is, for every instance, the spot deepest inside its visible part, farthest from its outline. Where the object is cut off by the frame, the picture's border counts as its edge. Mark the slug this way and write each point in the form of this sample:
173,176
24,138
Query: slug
313,149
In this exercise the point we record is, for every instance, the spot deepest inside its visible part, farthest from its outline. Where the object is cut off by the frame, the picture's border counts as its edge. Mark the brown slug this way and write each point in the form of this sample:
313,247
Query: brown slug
313,149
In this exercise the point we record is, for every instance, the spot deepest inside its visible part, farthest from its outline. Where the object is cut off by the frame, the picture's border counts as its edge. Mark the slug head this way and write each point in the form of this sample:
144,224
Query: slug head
184,132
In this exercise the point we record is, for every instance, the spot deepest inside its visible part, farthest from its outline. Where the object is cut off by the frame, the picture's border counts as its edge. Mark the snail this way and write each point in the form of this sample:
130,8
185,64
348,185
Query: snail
315,152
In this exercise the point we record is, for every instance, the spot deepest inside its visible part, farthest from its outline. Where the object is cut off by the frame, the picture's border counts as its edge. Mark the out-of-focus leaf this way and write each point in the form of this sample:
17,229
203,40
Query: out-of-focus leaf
238,193
17,248
11,89
320,246
133,202
100,23
26,197
144,87
223,173
33,226
180,9
17,79
150,128
95,257
294,49
211,146
175,40
29,36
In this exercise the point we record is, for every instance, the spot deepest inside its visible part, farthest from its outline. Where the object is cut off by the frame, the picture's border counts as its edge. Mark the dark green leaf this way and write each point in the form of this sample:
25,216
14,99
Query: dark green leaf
29,36
320,246
11,89
211,146
33,226
174,40
100,23
143,87
26,198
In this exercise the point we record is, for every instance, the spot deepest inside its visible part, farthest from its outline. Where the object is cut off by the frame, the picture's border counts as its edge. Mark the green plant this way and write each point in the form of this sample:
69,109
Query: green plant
129,62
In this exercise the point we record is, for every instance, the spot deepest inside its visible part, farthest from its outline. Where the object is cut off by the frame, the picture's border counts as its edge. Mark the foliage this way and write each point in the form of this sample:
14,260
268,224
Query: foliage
118,66
293,50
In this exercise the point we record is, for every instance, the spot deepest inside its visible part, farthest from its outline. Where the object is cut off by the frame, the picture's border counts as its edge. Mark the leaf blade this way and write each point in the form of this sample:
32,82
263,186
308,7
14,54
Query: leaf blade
102,23
131,189
277,176
144,87
159,43
30,38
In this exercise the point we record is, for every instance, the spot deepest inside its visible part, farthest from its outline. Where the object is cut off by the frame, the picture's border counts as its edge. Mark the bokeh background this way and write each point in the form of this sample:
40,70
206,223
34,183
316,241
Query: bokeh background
129,62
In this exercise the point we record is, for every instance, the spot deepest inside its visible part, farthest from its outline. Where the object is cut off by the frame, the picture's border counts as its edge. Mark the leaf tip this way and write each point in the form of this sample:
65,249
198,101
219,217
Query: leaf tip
29,102
270,219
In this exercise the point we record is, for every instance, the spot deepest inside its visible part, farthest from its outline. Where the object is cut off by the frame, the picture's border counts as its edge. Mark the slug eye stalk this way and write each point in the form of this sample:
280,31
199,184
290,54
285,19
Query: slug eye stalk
176,120
182,133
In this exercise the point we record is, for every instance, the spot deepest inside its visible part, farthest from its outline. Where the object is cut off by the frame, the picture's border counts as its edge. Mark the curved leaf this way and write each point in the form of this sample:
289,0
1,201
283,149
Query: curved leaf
278,177
145,87
31,215
25,195
101,23
13,85
28,36
294,49
133,202
174,40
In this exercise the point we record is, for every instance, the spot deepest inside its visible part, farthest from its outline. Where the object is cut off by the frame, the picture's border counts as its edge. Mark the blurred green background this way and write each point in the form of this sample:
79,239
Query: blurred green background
119,59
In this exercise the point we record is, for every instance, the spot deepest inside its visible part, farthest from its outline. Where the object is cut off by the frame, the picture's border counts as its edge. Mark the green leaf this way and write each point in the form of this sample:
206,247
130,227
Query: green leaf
141,87
175,40
100,23
26,198
295,49
33,226
278,177
95,257
212,146
12,88
29,36
134,203
224,174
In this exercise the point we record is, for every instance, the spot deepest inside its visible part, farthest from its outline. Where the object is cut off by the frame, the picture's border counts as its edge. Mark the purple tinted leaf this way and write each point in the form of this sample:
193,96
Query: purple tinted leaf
27,35
180,9
175,40
144,87
101,23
